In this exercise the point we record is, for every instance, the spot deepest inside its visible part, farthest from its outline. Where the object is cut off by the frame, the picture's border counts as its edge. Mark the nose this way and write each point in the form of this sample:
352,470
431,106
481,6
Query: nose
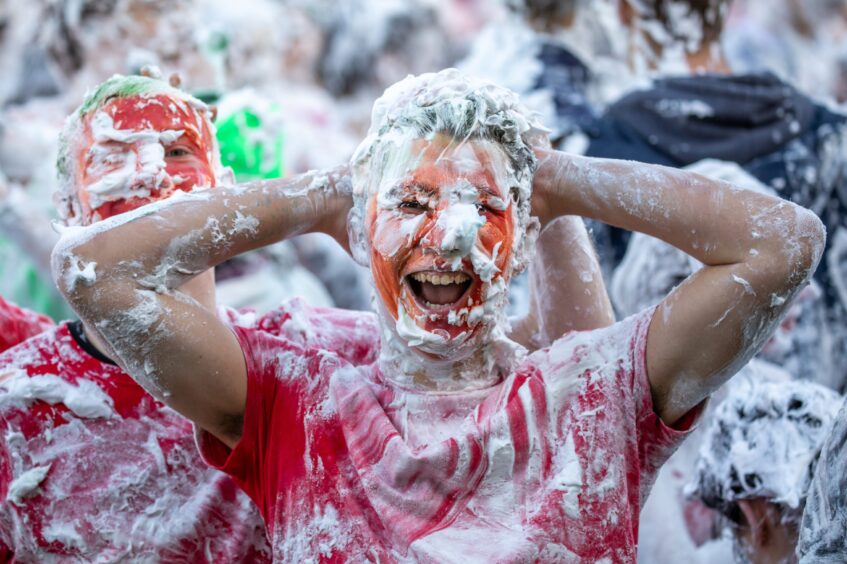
454,229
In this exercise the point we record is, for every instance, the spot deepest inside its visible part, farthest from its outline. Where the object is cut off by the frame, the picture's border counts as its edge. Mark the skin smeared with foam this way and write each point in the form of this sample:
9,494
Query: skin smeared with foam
445,223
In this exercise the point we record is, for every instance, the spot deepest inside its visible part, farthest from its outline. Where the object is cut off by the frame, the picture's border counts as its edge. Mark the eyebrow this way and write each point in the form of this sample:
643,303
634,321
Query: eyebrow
419,187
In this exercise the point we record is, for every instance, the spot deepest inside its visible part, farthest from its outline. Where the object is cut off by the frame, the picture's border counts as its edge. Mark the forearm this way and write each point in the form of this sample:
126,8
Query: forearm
567,292
711,220
161,246
142,281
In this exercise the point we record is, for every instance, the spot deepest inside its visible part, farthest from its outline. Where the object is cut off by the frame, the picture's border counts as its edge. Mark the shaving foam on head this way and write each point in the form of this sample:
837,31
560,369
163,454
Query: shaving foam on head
462,107
762,442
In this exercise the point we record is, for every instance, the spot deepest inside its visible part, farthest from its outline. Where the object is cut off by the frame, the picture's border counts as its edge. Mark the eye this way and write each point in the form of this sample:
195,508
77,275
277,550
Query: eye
174,152
482,208
412,206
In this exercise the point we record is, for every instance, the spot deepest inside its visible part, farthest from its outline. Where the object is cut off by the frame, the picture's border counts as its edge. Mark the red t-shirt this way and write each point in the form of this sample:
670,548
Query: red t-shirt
18,324
93,469
551,465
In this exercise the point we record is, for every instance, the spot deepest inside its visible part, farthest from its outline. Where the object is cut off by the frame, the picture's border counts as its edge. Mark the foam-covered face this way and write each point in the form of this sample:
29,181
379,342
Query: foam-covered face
141,149
441,228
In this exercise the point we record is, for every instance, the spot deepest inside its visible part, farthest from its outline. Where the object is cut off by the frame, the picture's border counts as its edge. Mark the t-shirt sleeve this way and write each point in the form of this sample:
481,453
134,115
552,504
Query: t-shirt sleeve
272,443
612,401
18,324
657,441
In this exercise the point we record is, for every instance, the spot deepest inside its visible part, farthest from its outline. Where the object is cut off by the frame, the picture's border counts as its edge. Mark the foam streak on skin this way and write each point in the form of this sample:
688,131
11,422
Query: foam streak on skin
740,235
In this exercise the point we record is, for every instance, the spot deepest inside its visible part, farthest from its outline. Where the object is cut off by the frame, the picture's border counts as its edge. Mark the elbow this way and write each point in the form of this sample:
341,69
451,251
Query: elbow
74,271
810,235
797,247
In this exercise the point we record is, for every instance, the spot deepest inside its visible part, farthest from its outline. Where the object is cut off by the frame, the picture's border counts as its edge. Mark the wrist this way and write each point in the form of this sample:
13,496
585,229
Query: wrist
337,199
548,185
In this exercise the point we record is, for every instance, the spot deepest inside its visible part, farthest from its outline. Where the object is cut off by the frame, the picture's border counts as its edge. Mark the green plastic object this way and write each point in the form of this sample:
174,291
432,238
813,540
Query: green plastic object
252,152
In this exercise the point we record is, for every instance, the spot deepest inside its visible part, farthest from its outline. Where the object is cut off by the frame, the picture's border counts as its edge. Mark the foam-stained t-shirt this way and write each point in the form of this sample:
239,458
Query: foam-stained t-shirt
18,324
93,469
550,465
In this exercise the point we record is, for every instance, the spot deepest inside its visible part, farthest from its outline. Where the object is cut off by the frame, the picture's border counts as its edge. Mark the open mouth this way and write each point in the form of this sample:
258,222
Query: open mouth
439,290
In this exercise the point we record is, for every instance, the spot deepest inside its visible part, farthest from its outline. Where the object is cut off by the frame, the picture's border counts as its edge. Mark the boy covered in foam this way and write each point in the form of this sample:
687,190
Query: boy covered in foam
443,440
93,468
757,461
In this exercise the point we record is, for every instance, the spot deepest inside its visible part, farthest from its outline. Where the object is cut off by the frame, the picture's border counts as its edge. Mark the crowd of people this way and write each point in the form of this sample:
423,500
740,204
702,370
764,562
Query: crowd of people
574,290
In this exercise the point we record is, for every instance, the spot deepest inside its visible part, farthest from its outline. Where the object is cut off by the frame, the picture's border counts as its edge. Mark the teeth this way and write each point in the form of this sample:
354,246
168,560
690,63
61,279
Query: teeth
441,278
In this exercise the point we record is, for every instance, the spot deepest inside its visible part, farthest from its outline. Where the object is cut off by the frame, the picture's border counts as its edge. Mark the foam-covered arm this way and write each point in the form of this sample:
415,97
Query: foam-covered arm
759,251
123,277
566,291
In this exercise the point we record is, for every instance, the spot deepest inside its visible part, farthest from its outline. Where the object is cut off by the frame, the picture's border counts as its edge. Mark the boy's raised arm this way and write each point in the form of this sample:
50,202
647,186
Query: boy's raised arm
123,276
758,251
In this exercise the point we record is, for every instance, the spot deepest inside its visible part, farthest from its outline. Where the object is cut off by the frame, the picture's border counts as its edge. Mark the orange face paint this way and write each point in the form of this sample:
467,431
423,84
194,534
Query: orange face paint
442,234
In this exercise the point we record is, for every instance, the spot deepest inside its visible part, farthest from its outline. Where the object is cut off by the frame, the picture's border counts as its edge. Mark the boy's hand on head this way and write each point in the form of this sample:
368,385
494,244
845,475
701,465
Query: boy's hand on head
339,201
546,183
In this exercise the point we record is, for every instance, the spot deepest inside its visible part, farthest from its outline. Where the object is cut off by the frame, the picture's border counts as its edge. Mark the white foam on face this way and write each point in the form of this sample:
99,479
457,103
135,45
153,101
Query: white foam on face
383,168
130,163
461,221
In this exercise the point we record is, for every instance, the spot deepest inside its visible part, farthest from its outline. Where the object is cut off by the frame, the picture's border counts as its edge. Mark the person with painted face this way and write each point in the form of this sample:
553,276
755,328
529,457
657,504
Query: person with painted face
93,468
443,440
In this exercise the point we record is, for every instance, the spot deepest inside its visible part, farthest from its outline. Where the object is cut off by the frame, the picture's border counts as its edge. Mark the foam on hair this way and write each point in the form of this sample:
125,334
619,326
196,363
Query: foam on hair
465,108
762,443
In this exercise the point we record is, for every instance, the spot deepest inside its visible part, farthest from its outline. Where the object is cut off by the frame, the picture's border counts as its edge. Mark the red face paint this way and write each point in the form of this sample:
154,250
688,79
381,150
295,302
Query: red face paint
424,199
188,161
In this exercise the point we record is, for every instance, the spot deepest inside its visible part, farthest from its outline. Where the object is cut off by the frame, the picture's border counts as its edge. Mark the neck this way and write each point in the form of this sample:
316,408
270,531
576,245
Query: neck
708,58
485,367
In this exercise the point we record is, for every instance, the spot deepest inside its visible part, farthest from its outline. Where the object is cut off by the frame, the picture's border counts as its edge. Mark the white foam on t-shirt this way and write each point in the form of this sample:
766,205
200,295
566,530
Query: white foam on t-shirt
26,484
85,399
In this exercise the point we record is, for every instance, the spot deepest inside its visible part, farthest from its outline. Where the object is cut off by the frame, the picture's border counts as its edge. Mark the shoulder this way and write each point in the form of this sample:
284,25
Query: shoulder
614,354
18,324
41,349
